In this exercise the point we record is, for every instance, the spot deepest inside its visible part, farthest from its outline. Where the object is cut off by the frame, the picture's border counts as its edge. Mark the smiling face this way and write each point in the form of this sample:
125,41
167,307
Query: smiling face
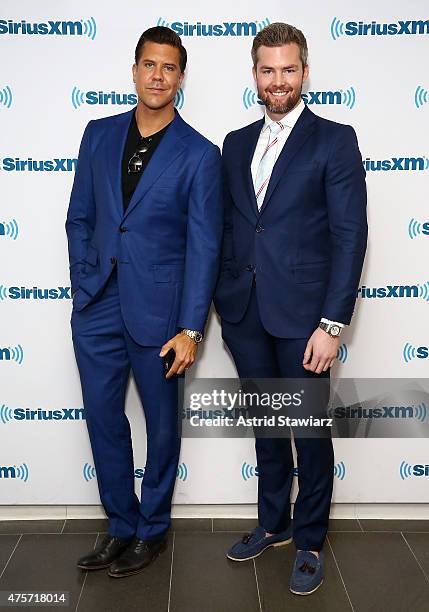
157,75
279,77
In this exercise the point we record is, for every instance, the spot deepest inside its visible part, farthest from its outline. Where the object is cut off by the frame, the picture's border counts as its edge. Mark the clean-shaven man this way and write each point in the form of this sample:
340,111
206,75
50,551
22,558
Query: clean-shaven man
144,229
294,243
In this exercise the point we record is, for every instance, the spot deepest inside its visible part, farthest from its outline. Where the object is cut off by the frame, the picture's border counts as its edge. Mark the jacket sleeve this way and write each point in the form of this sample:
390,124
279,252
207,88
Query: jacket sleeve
81,213
346,202
203,242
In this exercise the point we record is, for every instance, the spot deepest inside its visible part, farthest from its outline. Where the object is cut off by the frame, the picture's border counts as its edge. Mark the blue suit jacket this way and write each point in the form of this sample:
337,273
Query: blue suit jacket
308,242
167,243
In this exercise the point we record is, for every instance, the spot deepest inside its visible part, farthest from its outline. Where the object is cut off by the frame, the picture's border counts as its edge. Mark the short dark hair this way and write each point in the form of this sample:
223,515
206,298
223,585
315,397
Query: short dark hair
162,36
277,35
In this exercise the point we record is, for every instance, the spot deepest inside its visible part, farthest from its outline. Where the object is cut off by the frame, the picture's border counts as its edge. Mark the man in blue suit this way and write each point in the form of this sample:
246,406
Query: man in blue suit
294,243
144,229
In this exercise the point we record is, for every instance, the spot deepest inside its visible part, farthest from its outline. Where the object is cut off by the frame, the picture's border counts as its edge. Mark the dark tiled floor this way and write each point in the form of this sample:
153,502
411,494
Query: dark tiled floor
371,565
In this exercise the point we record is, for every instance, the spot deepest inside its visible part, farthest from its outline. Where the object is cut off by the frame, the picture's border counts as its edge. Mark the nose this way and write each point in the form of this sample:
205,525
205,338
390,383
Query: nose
278,79
157,74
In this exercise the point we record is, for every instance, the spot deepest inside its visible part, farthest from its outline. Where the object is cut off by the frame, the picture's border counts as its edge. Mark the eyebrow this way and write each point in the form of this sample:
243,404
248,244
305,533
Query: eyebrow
147,59
290,66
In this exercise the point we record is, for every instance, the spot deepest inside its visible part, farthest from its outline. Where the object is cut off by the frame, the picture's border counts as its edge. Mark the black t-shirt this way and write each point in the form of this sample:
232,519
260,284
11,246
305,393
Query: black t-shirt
134,138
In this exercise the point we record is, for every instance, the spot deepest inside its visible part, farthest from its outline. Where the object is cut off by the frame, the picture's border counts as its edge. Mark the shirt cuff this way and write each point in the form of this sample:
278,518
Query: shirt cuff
323,320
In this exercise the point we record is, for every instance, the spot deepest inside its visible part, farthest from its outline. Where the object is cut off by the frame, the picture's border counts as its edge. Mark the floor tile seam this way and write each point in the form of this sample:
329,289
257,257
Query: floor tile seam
257,586
171,572
415,557
11,555
340,574
84,580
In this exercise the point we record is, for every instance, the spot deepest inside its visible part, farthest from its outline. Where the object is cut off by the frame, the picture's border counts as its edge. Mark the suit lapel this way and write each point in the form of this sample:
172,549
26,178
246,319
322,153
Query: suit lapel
114,152
298,136
167,151
248,205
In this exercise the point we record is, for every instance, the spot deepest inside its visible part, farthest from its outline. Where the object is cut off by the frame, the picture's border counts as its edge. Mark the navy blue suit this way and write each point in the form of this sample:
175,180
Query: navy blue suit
139,276
285,267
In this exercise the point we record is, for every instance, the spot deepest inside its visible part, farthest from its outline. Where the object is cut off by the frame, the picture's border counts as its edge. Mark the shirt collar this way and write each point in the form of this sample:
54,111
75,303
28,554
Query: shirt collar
288,120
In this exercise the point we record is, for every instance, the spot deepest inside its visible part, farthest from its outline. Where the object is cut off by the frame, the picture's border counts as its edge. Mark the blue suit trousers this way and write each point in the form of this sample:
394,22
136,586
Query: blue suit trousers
258,354
105,354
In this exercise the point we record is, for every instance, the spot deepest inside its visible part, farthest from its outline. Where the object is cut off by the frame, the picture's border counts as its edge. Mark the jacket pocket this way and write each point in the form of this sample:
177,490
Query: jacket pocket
167,273
309,273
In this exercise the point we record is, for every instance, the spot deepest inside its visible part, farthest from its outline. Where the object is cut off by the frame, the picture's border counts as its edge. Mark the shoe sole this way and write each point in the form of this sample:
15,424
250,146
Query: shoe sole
133,572
94,567
283,543
307,592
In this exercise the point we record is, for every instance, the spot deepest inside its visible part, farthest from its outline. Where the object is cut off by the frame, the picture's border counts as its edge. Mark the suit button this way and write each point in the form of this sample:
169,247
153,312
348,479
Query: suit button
123,229
259,228
113,260
249,268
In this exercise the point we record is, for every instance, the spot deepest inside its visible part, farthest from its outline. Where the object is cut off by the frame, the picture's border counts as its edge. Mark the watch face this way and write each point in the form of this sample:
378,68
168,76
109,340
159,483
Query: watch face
198,337
335,330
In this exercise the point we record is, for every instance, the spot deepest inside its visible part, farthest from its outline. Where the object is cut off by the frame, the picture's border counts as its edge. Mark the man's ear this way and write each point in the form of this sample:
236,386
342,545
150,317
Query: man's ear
305,72
134,72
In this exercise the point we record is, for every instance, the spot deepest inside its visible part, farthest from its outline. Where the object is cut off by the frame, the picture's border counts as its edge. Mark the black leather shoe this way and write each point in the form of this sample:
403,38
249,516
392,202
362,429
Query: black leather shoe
136,557
104,554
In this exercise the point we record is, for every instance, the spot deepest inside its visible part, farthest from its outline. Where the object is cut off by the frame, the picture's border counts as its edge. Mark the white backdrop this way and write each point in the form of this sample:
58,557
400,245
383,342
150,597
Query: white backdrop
52,84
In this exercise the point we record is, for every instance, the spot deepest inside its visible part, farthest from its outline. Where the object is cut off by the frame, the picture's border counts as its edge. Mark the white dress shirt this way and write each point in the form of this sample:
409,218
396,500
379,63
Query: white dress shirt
289,122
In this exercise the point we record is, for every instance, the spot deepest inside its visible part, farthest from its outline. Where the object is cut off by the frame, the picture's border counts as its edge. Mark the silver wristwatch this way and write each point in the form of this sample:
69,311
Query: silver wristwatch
195,335
332,329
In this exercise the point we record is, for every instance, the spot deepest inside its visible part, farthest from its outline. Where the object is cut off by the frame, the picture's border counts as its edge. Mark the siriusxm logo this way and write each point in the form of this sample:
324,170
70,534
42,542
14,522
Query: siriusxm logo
344,97
83,27
92,97
408,164
8,414
23,293
340,470
415,228
342,353
410,352
249,471
374,28
9,229
6,97
226,28
395,291
14,471
16,164
89,472
407,470
421,96
179,99
418,412
12,353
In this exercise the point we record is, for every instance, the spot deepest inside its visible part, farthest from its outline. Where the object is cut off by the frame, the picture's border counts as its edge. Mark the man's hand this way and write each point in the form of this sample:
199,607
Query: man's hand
186,351
321,351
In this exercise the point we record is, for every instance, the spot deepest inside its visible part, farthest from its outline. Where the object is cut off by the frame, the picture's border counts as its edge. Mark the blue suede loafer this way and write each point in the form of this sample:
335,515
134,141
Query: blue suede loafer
253,544
307,573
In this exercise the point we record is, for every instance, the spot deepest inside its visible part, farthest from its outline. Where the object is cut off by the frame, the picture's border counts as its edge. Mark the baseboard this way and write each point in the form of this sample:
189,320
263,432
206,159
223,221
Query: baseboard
338,511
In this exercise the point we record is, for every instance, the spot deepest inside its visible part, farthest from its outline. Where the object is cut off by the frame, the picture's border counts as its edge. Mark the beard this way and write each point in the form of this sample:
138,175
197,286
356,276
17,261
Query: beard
279,107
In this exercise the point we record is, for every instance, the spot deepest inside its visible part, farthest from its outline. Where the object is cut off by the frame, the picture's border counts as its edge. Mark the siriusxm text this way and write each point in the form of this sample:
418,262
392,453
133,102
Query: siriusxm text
24,293
225,28
389,291
46,28
59,414
16,164
395,28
